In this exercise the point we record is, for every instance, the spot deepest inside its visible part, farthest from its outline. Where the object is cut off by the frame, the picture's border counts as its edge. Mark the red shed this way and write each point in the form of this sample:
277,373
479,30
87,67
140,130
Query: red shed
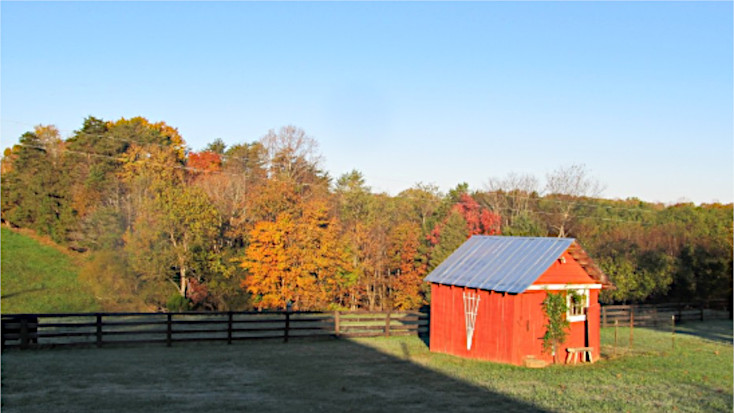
486,298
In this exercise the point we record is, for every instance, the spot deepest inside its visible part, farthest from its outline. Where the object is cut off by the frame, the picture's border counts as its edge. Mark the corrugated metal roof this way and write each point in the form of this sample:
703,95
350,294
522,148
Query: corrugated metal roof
499,263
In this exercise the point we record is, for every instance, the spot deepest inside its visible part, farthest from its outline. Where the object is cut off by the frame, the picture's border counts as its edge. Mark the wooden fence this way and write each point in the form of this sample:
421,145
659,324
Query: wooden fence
654,315
102,329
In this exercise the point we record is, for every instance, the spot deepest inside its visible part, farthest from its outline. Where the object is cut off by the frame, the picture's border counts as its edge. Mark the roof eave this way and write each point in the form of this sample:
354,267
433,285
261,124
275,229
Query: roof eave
578,254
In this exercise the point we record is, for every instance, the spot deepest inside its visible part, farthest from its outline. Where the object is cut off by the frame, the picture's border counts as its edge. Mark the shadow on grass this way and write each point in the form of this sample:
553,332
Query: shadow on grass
720,331
714,330
30,290
326,375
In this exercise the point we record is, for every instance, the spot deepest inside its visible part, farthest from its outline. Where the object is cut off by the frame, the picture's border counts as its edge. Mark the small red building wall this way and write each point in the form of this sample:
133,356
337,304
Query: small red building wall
510,327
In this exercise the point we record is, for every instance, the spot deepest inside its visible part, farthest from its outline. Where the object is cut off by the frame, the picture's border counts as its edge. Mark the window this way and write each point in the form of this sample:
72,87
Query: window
577,302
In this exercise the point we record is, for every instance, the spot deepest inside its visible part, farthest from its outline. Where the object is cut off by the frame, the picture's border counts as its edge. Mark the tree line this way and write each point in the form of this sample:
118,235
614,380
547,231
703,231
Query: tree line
261,224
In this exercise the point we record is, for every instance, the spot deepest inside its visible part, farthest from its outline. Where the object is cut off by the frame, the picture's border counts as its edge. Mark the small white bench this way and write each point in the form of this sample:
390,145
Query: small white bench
574,352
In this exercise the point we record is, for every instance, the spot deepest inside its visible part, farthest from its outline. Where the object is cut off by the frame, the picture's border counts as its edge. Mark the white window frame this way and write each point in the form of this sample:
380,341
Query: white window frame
577,317
579,288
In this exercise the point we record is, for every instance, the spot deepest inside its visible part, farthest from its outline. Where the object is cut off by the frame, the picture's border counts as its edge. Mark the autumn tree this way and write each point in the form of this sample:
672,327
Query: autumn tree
141,132
424,201
270,276
34,192
296,259
236,189
109,276
514,198
479,221
466,218
204,162
188,223
170,240
637,274
565,187
217,146
447,237
320,257
354,201
293,156
92,163
373,249
408,267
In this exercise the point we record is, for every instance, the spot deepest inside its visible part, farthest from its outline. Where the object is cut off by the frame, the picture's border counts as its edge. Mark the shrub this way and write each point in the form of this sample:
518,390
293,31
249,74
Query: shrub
177,303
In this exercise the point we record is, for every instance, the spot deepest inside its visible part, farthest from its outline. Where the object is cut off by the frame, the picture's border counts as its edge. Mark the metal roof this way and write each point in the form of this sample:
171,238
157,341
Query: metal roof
499,263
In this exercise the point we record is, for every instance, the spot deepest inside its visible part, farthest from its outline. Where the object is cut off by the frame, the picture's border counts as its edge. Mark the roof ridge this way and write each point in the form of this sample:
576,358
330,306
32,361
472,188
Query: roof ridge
523,237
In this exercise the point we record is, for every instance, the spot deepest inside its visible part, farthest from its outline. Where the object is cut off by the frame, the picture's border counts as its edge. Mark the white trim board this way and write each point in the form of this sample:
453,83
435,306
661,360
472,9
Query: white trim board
555,287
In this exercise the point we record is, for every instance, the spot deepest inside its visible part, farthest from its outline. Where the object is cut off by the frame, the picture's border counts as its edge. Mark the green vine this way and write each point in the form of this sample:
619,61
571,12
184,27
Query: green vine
554,307
577,297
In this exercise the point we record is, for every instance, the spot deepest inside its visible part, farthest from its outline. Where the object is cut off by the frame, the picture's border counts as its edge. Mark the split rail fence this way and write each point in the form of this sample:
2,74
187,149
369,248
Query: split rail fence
654,315
101,329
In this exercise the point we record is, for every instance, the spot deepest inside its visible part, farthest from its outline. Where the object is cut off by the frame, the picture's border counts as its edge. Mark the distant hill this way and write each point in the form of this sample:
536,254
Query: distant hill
39,278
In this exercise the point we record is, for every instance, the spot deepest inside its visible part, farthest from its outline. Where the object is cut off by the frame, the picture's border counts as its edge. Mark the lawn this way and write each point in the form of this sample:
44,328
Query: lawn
38,278
371,375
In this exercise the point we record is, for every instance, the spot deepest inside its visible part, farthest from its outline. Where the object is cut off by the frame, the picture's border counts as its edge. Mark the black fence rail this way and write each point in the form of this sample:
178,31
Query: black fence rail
101,329
654,315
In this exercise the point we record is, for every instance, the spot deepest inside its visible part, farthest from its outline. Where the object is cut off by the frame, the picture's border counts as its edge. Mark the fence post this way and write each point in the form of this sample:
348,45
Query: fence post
336,323
604,316
229,327
672,325
616,324
287,326
24,333
632,326
701,311
387,325
168,329
655,316
99,330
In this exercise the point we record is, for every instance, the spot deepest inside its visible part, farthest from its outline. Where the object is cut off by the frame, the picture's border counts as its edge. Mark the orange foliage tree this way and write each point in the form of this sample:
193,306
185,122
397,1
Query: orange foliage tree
296,259
270,274
204,162
406,287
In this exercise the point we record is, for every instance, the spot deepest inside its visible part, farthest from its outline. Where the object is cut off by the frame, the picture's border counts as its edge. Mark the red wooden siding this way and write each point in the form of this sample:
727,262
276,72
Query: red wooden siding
569,272
493,332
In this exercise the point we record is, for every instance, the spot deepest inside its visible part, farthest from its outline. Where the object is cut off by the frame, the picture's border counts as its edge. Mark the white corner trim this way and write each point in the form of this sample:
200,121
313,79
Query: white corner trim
555,287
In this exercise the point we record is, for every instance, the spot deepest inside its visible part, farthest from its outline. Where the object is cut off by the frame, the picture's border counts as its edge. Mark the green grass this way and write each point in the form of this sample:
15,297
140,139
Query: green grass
372,375
39,279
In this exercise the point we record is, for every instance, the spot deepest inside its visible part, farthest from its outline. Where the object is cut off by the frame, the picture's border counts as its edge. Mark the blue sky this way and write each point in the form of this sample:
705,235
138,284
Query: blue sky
404,92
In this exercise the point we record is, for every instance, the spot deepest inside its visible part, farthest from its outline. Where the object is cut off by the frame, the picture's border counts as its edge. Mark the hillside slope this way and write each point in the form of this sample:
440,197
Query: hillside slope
39,279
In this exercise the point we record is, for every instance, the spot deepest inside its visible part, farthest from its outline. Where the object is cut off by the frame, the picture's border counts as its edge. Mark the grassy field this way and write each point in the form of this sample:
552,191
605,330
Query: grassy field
371,375
38,278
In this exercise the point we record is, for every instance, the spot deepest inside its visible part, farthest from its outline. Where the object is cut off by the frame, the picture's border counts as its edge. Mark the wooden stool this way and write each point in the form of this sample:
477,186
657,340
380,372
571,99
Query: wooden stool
573,353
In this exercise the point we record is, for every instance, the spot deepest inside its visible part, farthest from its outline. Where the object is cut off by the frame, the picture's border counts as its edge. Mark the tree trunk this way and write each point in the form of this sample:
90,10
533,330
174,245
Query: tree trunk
184,282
